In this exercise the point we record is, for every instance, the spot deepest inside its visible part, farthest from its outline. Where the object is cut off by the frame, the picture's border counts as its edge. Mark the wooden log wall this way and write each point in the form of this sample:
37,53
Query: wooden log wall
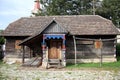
11,50
86,49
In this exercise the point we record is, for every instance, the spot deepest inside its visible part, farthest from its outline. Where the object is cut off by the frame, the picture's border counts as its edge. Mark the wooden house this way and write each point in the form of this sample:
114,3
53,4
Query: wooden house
55,38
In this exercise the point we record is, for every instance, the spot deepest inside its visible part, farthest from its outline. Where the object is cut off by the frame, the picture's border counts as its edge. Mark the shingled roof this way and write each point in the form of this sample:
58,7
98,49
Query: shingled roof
75,24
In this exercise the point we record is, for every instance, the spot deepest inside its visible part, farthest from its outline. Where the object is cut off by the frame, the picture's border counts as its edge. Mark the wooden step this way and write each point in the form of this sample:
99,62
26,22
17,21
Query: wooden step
56,63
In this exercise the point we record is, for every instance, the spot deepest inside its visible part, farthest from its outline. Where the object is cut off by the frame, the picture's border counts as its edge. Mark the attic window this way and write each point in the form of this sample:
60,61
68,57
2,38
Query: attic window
17,44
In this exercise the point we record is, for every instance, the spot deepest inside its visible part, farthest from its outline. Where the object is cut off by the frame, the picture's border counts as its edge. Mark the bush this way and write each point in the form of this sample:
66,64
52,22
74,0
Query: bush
118,51
1,53
2,40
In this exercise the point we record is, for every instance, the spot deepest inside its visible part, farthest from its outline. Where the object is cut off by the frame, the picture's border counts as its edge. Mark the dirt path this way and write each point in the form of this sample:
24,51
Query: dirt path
14,72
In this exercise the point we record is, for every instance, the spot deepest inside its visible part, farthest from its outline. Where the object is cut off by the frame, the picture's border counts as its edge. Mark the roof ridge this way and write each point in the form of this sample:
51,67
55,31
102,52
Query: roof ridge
59,16
104,18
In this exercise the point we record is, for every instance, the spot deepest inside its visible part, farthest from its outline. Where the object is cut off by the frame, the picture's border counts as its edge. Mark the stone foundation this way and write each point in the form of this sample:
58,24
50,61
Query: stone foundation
14,60
94,60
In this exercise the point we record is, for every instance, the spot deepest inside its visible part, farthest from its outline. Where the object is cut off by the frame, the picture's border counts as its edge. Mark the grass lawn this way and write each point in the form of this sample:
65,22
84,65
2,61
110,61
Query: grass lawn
107,66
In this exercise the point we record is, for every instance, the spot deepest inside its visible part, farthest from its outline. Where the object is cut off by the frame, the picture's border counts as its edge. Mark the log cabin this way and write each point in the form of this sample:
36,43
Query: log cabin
68,39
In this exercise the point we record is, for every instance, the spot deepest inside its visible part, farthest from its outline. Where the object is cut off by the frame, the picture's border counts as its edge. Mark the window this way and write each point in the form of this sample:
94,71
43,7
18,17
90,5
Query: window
17,44
98,44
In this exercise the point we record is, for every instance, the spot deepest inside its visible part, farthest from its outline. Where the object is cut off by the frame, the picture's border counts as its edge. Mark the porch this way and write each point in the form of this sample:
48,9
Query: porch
47,50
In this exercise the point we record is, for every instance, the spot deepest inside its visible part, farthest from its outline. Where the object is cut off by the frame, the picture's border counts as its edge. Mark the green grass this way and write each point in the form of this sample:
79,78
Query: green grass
107,66
1,62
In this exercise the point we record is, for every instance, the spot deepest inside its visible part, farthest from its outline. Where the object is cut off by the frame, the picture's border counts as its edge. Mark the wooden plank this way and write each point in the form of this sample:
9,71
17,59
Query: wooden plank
29,62
55,28
54,61
36,63
84,42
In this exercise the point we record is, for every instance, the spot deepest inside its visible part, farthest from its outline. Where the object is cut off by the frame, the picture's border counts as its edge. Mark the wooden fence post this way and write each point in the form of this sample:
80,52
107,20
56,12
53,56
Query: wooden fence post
75,50
23,58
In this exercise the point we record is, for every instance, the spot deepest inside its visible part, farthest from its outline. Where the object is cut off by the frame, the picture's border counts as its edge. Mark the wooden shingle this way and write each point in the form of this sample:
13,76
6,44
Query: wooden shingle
75,24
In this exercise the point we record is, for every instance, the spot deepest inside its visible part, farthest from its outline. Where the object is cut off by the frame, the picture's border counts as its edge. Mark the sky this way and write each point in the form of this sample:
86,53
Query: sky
11,10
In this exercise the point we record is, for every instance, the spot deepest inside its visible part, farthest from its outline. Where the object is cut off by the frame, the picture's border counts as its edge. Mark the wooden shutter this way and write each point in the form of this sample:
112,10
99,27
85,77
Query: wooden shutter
98,44
17,44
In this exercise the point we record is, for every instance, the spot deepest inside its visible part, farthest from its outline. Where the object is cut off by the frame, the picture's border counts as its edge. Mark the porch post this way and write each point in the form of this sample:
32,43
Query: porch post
44,60
43,44
63,51
30,53
23,58
115,43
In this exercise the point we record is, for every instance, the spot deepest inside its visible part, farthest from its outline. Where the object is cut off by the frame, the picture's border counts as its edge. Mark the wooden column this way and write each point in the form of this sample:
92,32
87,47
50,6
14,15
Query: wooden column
45,58
63,52
63,44
23,58
30,53
75,49
115,43
43,44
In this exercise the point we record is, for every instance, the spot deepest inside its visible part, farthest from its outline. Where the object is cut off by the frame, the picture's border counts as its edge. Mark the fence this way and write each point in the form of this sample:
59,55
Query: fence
103,46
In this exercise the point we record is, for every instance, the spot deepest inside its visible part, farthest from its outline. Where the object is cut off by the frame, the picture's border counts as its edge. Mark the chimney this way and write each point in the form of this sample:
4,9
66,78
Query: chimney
36,7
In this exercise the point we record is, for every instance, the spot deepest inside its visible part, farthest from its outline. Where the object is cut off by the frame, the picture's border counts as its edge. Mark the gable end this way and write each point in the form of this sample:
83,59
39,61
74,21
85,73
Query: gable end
54,28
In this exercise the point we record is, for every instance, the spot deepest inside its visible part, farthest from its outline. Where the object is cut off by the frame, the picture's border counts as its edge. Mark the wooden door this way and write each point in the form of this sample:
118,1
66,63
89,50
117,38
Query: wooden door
55,49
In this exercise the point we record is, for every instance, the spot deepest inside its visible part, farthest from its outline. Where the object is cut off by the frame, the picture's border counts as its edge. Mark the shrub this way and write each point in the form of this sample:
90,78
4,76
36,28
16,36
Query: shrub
2,40
118,51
